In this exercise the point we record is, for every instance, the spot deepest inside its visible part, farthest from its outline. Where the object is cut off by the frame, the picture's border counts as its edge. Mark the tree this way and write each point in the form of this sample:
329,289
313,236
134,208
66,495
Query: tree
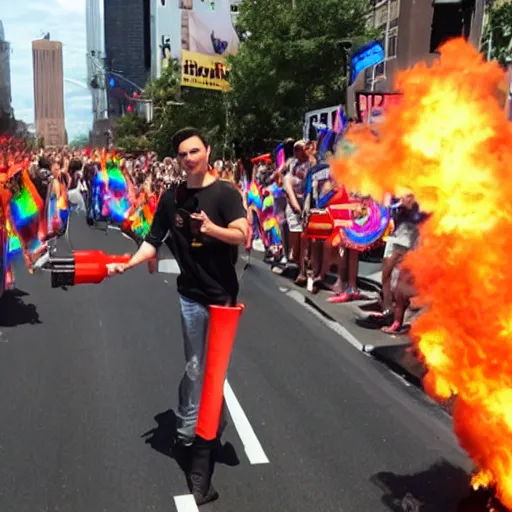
175,107
130,124
81,141
131,133
293,61
498,32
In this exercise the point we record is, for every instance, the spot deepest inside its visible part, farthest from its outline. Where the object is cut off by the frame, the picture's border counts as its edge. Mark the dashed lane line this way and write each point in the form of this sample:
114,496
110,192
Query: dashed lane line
186,503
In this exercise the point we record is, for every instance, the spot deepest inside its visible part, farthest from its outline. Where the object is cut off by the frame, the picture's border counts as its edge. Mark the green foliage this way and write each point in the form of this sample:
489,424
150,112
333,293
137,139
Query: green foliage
174,109
81,141
131,133
498,32
130,125
291,61
133,144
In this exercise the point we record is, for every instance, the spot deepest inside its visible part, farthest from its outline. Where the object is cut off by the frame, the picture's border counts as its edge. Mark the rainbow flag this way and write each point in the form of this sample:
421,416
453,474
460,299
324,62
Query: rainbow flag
138,223
25,215
23,208
111,192
254,196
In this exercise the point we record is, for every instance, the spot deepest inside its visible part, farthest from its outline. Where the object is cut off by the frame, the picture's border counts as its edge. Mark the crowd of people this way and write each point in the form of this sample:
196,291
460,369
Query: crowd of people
210,209
302,184
279,192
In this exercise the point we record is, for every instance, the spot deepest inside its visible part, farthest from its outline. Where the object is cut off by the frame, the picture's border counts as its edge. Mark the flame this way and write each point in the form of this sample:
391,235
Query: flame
450,142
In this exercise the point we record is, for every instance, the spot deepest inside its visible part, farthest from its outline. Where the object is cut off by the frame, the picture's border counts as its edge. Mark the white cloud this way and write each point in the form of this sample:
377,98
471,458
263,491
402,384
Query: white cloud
81,102
77,6
25,113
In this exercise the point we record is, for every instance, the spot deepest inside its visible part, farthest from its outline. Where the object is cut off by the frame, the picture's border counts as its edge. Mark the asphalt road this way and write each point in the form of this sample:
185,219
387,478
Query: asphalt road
89,379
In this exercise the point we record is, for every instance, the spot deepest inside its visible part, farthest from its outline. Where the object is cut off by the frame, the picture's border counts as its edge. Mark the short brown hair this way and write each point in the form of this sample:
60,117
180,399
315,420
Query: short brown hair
184,134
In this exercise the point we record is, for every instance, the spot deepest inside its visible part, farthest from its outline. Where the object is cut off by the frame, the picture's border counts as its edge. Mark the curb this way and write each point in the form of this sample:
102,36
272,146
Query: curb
388,355
381,354
360,345
397,358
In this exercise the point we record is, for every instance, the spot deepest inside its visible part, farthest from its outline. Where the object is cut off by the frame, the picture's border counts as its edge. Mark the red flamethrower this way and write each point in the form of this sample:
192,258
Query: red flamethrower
82,267
221,336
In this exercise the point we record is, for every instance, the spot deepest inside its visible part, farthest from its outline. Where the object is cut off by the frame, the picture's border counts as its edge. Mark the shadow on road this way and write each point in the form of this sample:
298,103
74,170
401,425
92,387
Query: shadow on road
441,488
14,311
161,439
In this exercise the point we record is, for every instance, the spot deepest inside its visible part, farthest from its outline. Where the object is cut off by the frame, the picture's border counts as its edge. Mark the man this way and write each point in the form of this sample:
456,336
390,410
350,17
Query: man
206,221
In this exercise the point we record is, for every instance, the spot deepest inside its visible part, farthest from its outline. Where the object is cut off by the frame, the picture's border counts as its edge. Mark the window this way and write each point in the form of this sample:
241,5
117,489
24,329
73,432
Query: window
392,43
447,23
381,11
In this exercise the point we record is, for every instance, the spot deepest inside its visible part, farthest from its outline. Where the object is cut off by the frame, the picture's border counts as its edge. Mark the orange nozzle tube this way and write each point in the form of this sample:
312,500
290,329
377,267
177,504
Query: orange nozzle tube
221,336
91,266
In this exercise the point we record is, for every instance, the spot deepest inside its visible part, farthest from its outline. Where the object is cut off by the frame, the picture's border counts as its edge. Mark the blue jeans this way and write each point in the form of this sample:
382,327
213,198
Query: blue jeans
194,323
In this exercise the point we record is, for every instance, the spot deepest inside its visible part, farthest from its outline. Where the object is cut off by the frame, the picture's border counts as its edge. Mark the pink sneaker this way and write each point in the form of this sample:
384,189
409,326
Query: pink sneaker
341,298
356,295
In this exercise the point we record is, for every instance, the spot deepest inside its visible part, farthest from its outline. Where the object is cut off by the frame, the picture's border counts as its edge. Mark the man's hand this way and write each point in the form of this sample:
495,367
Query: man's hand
207,227
115,268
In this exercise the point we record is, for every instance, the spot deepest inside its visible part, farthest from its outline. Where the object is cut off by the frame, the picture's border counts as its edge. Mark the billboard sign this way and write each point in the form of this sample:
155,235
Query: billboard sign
314,119
212,33
204,71
371,106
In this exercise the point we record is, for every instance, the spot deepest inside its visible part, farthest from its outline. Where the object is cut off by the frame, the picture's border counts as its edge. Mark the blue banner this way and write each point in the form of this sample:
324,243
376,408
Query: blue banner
369,55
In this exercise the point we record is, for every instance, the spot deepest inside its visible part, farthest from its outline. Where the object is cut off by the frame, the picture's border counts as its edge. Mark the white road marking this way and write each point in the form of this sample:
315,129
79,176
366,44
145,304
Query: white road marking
168,266
401,378
186,503
252,446
335,326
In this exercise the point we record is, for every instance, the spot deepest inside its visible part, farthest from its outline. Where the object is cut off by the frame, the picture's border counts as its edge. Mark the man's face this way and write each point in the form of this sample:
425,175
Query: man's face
193,156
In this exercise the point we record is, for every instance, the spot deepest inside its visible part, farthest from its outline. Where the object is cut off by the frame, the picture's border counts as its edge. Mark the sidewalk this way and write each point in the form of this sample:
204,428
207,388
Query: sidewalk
394,351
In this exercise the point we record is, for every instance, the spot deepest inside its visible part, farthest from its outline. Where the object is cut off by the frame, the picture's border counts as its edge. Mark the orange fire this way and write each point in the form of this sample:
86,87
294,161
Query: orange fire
450,142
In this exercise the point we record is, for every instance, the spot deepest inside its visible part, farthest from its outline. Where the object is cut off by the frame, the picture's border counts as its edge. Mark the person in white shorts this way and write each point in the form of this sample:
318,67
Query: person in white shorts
294,186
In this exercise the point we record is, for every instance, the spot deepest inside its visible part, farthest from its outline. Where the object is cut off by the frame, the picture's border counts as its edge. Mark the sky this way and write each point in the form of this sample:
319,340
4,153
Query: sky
26,20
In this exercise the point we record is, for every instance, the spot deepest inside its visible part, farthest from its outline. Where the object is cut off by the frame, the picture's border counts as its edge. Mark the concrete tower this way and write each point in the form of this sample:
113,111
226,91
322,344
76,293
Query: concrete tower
5,73
49,91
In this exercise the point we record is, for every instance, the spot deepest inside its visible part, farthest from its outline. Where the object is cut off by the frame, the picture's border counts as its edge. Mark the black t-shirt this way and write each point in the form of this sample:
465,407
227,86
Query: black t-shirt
207,265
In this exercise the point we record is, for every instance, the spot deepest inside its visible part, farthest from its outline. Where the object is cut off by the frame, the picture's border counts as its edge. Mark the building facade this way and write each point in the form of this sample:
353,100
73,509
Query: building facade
5,74
49,92
95,41
235,8
170,26
127,29
415,30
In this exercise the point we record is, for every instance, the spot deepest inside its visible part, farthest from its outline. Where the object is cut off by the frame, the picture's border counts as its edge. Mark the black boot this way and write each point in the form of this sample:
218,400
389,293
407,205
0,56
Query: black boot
199,477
